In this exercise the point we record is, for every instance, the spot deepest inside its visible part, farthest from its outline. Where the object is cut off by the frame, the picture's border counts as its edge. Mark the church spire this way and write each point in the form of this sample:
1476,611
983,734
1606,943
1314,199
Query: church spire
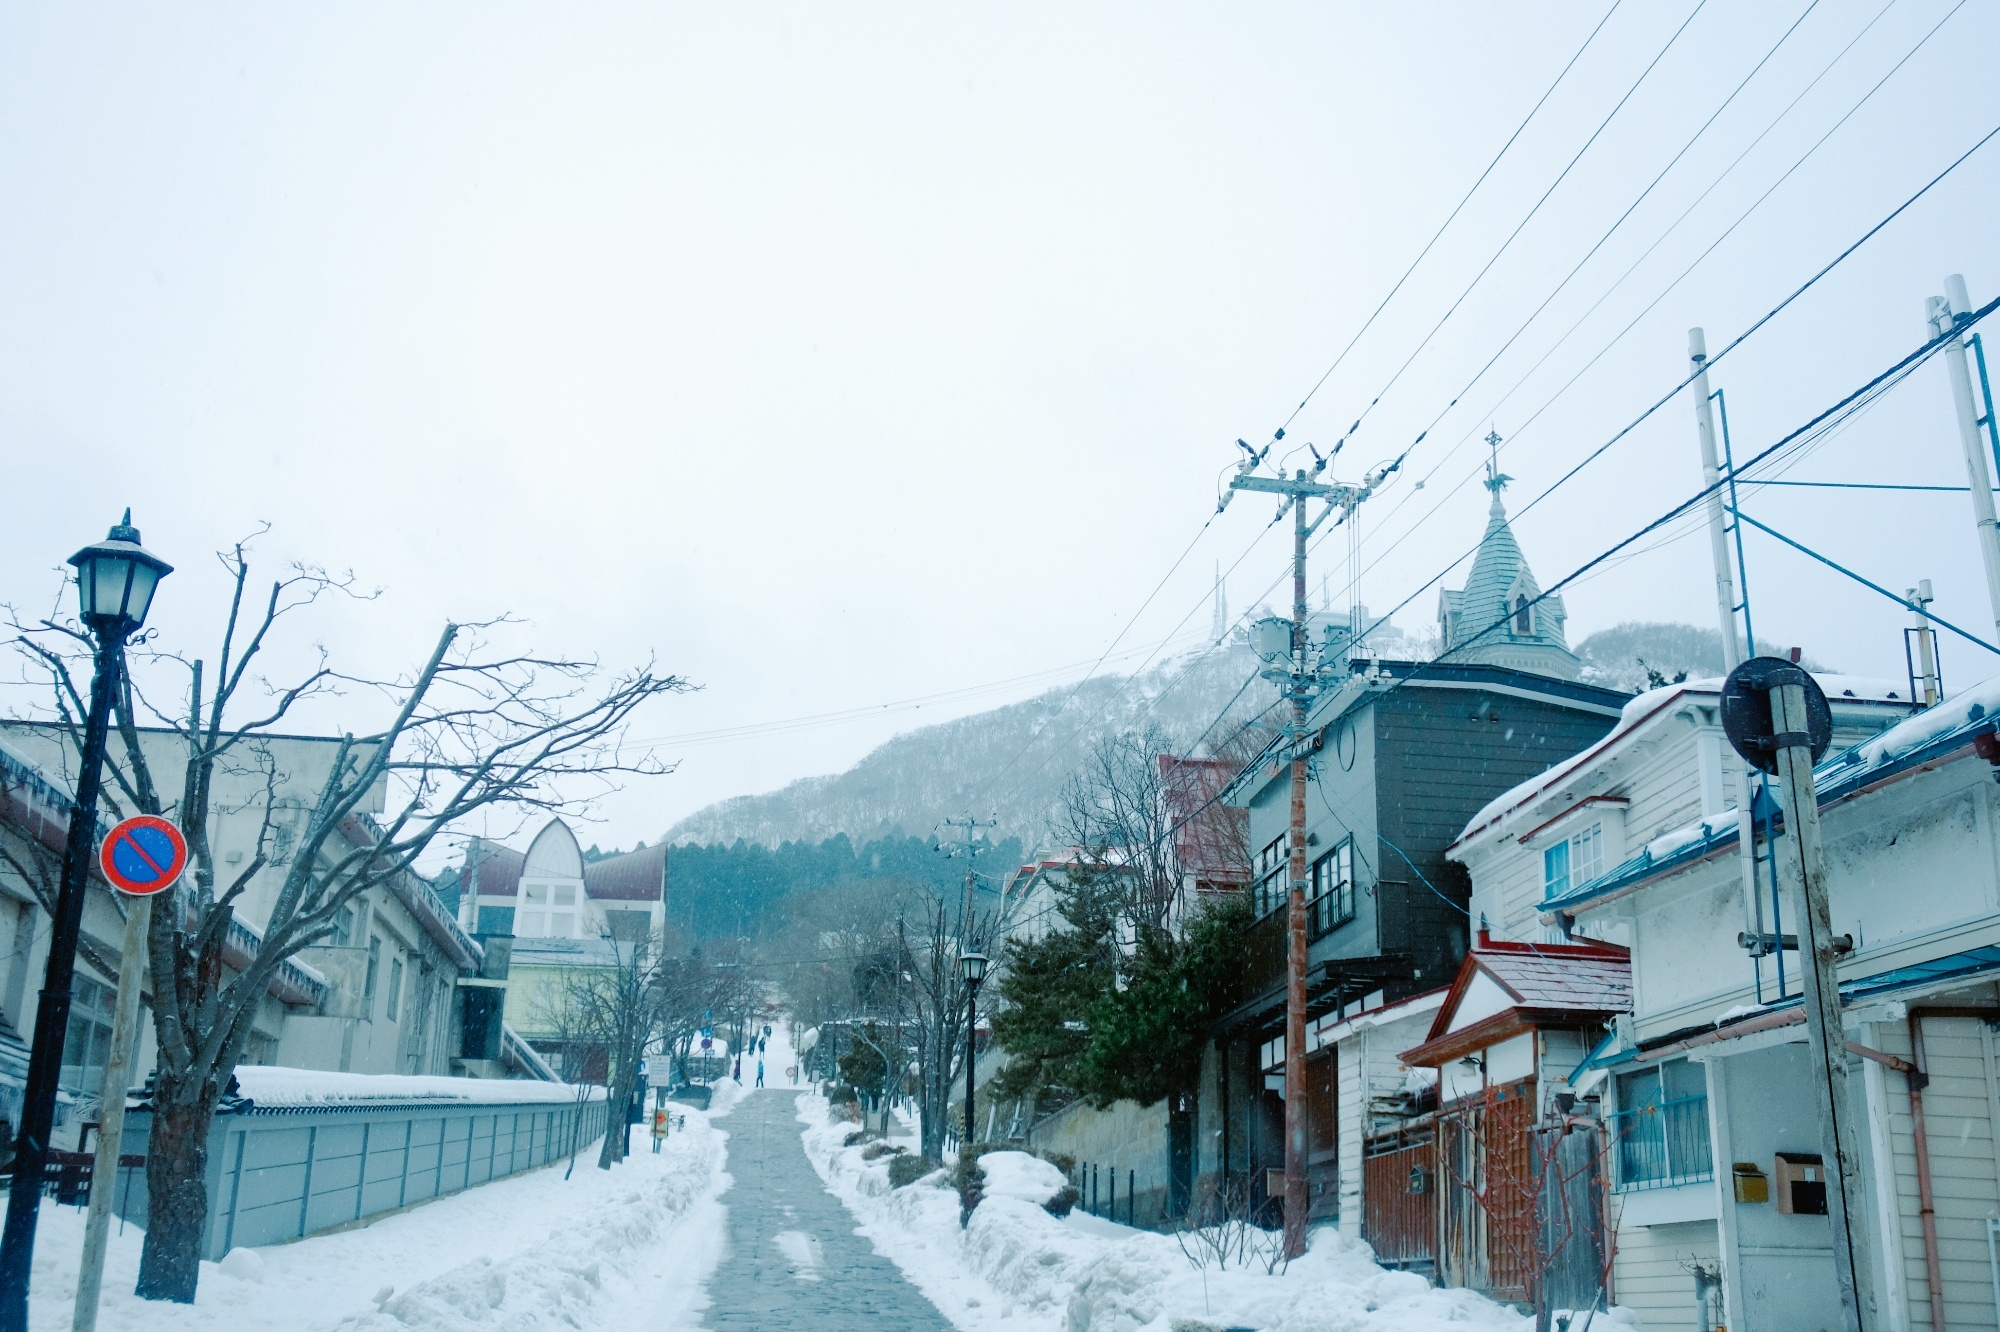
1496,480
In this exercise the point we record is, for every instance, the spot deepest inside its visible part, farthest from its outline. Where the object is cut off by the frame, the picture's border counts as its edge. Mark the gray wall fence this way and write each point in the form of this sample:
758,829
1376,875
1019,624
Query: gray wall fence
282,1173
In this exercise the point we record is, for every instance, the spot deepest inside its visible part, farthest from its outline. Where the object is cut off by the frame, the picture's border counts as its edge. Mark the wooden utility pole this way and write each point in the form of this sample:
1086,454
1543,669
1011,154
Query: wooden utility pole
1790,736
1300,678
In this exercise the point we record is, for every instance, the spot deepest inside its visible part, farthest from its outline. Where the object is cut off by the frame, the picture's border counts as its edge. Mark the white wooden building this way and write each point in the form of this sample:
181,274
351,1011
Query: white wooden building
1714,1139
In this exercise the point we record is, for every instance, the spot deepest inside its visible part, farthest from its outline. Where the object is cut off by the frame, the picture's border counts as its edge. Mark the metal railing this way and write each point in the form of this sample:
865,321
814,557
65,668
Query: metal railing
1661,1146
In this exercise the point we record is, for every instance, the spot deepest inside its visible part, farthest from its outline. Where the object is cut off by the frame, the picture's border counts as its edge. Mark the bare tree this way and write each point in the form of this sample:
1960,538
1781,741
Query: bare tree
472,728
567,1022
933,935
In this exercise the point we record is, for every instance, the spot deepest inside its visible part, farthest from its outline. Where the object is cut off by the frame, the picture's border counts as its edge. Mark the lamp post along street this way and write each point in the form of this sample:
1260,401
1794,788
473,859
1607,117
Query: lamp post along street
972,966
1300,679
116,579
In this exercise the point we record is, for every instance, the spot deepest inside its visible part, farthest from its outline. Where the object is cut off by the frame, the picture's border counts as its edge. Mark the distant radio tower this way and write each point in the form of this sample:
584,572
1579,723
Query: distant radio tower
1220,627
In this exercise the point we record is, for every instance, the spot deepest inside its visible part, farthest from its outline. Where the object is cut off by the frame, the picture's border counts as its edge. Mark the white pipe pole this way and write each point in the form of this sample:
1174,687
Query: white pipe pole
1944,313
1725,610
111,1130
1711,478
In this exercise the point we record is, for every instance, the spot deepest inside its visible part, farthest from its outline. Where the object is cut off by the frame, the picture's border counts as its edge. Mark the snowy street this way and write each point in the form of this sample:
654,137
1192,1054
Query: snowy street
758,1214
794,1257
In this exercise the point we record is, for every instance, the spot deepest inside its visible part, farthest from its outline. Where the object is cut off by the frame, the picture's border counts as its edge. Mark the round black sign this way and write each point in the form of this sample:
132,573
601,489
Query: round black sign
1746,710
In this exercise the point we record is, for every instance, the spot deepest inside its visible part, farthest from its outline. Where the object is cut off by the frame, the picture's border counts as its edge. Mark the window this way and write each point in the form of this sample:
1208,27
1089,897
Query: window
1555,870
1586,854
395,987
562,912
1330,890
343,928
1524,617
1660,1131
87,1042
532,922
1271,887
1573,861
374,965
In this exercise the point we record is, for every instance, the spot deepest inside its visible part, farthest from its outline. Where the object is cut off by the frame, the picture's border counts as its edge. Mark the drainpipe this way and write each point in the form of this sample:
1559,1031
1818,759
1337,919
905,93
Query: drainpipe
1919,1077
1913,1071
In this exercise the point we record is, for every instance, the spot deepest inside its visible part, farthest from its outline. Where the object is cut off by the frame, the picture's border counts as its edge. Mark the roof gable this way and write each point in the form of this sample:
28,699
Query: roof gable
1540,980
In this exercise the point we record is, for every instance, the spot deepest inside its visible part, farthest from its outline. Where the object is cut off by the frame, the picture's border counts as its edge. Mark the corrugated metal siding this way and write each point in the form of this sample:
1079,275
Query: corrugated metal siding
282,1176
1440,756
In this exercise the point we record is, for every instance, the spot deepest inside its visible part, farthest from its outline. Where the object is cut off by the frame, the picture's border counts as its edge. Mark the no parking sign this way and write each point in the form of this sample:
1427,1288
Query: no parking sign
143,855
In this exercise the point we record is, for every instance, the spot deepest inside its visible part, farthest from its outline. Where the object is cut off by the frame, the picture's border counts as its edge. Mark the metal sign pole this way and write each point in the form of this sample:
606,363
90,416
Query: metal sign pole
111,1131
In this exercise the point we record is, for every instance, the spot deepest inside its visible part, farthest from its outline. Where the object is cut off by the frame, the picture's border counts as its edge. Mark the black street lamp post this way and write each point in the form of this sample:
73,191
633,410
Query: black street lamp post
972,966
115,580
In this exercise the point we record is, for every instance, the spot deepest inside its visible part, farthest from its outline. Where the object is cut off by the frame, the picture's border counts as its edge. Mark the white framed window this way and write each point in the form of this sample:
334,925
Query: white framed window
1577,859
531,921
562,911
395,987
1586,854
374,970
1555,869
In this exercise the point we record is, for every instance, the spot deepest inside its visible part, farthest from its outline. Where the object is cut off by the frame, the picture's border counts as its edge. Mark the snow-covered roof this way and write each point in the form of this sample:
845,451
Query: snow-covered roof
1912,741
1641,709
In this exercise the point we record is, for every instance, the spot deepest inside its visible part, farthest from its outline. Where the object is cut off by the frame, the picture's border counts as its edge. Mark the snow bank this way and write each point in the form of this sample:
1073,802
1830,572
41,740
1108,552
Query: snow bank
268,1085
1019,1175
530,1253
1017,1266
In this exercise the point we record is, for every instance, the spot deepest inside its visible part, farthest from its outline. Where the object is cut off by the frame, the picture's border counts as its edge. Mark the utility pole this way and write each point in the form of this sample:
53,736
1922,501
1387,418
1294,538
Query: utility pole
970,828
1946,313
1725,611
1778,720
1300,679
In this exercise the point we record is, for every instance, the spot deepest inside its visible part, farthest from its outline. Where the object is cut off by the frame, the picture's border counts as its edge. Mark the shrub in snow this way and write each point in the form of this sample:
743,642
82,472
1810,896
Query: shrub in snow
878,1149
905,1170
996,1170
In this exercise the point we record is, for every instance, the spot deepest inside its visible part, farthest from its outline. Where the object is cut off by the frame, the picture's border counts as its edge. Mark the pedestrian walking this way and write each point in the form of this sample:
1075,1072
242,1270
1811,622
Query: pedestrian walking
760,1072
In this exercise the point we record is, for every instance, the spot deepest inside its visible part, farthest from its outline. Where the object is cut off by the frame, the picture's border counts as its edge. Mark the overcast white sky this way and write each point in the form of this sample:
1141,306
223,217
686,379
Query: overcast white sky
843,355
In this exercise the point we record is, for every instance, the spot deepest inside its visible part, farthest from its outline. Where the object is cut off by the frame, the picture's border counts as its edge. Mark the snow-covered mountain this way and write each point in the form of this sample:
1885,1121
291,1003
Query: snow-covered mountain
1012,760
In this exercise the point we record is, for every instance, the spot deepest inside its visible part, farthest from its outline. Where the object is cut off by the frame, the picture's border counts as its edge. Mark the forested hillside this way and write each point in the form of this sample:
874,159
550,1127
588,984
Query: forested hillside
722,892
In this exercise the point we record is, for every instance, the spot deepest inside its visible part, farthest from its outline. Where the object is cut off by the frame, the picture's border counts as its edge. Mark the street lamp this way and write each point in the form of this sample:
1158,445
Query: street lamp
971,966
115,581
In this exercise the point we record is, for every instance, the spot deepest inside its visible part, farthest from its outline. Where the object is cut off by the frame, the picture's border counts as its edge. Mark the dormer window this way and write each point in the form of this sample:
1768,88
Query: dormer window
1524,617
1576,859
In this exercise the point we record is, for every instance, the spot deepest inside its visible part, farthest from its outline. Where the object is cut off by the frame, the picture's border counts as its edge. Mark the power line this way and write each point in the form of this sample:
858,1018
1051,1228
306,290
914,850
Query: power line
1439,233
1734,343
1670,287
1519,227
1630,208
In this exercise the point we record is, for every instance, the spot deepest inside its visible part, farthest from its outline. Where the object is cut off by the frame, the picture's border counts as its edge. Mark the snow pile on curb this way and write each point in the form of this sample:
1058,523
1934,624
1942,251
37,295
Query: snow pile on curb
526,1253
1020,1175
1015,1262
270,1085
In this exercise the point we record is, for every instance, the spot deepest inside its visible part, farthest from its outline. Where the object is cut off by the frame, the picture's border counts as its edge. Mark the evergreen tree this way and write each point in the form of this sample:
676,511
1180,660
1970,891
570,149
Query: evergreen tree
1147,1035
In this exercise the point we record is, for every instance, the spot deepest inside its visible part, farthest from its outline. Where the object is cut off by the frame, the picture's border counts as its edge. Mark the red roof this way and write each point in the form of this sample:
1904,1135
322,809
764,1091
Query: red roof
1550,984
636,876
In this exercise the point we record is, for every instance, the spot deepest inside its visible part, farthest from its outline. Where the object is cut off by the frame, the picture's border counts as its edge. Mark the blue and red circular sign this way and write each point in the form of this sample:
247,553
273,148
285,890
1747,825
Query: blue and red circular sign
143,855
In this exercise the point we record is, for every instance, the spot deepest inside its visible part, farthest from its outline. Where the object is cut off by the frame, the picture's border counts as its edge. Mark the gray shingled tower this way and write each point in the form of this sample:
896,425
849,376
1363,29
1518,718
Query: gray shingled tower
1501,588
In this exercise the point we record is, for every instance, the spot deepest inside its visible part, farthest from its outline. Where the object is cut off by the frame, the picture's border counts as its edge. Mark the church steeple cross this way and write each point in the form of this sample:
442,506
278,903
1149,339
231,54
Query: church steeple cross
1496,480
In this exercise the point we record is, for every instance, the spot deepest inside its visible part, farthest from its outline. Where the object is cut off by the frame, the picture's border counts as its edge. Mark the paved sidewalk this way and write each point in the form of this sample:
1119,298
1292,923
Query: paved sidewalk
793,1260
